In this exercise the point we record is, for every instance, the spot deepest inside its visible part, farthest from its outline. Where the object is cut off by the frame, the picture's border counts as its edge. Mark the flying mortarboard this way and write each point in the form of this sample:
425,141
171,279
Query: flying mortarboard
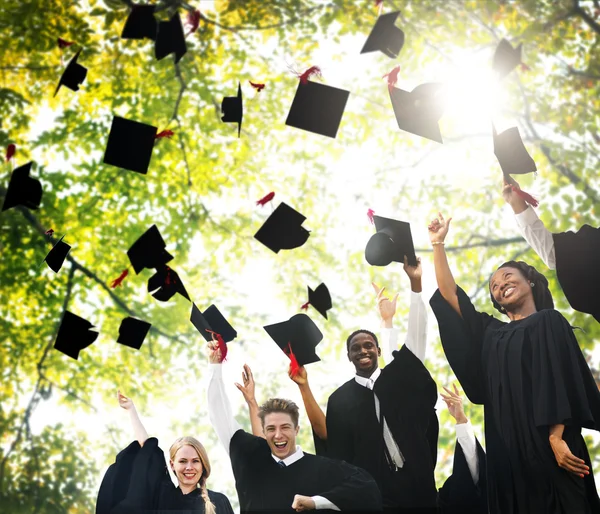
22,189
385,36
506,58
511,152
170,39
419,110
320,299
301,334
283,229
212,319
130,145
132,332
149,251
140,23
74,335
233,109
56,257
73,75
165,283
392,242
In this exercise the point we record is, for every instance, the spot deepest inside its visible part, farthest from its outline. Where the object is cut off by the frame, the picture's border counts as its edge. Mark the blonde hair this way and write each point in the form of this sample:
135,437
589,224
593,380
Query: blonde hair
209,506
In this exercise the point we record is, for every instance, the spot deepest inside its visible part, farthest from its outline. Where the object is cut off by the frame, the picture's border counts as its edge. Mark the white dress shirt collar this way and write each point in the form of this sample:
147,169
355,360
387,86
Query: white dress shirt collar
369,382
294,457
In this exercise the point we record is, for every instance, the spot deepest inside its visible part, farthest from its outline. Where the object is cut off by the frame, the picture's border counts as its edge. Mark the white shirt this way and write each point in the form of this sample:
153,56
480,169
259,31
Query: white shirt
466,438
537,235
225,425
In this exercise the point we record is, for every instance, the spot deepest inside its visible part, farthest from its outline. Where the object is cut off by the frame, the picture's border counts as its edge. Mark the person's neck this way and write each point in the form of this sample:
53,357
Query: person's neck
522,311
187,489
366,374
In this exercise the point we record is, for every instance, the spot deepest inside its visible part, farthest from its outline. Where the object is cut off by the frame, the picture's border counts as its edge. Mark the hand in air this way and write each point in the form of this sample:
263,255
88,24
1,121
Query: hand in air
124,402
302,503
247,389
385,306
455,404
413,272
214,353
510,197
301,377
438,229
567,460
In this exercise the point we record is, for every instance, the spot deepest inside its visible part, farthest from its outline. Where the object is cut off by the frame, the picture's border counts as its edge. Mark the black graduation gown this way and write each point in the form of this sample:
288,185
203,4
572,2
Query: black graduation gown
529,374
138,483
407,396
264,487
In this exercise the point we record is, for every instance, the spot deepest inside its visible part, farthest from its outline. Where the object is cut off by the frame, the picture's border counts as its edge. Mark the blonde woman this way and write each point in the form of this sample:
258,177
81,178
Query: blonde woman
138,482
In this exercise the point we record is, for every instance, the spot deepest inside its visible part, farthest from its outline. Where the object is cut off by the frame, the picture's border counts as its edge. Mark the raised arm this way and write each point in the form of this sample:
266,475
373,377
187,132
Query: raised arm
314,412
438,229
138,428
247,391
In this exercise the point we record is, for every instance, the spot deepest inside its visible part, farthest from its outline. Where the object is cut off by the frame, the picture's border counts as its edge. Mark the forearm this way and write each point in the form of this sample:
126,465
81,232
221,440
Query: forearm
443,275
257,429
139,431
556,432
314,412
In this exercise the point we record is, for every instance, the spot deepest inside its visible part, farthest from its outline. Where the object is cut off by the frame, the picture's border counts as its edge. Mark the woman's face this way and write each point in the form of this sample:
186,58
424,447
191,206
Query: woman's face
187,467
510,288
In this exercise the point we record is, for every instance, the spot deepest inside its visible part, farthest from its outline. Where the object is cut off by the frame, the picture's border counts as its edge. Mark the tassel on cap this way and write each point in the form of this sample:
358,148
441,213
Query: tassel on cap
62,43
392,77
192,20
305,306
10,152
266,199
370,214
257,85
49,232
294,366
524,67
164,133
222,345
118,281
525,196
313,70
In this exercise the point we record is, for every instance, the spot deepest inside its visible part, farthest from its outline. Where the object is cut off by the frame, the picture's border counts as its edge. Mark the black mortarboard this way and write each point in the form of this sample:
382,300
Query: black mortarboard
320,299
149,251
73,75
385,36
170,39
130,145
317,108
301,334
140,23
132,332
74,335
419,111
577,268
212,319
283,229
392,242
22,189
56,257
233,109
165,283
511,152
506,58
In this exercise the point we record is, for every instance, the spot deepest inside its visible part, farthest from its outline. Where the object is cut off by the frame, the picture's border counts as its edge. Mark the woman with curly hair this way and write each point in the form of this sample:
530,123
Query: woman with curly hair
533,381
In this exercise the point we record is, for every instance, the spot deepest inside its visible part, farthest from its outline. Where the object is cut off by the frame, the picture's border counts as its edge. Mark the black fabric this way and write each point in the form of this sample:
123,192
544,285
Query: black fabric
529,374
407,396
264,487
139,483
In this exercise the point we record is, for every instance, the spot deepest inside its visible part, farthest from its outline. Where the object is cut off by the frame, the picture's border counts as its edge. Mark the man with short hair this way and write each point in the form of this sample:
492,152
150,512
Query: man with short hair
273,474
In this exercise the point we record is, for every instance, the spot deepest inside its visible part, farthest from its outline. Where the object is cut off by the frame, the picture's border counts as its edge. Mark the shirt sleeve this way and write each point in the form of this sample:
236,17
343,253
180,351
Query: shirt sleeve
537,235
467,441
389,343
323,503
416,334
219,408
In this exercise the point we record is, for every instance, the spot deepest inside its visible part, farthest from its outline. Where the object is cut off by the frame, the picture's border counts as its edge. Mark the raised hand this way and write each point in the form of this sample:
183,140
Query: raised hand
455,404
301,377
385,306
247,389
302,503
510,197
214,353
413,272
124,402
438,229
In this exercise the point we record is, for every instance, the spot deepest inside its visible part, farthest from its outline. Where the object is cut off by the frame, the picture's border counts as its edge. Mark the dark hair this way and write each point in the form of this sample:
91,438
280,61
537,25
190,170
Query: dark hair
279,405
542,297
361,331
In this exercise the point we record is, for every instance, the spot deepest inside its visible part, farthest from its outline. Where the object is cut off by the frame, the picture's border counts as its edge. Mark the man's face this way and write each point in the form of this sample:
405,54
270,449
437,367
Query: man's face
363,353
281,434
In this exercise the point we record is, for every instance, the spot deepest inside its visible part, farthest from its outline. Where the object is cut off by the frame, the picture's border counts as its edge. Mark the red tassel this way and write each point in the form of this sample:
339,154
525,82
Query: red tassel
370,214
392,77
170,279
164,133
49,232
266,199
259,87
119,280
313,70
10,151
305,306
221,344
62,43
524,67
193,21
294,366
526,196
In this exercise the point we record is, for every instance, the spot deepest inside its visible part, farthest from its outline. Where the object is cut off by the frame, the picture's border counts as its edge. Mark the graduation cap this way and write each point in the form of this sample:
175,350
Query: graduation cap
149,251
511,152
130,145
56,257
22,189
283,229
419,110
577,268
132,332
73,75
317,108
320,299
140,23
392,242
233,109
74,335
385,36
506,58
298,333
165,283
212,319
170,39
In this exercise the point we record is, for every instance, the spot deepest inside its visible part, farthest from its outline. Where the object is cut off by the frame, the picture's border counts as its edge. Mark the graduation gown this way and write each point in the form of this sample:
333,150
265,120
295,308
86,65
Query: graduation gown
407,396
139,483
529,374
264,487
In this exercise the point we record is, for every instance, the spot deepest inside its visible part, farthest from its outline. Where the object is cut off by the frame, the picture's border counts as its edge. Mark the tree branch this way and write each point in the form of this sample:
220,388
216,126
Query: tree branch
582,13
483,244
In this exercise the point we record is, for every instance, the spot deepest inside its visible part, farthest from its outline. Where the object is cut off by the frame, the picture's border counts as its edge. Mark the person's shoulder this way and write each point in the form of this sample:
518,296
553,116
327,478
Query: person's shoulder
342,392
216,496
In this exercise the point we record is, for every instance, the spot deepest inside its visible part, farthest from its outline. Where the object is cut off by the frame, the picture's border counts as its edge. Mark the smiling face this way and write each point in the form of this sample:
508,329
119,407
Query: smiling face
364,353
510,288
280,432
187,467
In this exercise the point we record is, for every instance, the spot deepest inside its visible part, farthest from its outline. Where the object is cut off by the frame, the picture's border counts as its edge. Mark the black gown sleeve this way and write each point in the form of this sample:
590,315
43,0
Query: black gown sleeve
115,483
340,440
321,447
462,339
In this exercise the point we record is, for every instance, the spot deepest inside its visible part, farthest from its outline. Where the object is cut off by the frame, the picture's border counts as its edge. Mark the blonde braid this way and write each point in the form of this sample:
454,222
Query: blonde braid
209,507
